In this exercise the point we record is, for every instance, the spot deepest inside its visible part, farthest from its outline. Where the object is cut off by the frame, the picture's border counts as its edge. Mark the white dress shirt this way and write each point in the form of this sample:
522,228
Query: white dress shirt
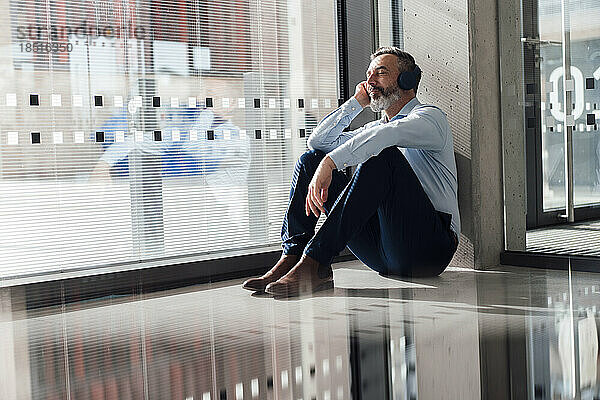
420,131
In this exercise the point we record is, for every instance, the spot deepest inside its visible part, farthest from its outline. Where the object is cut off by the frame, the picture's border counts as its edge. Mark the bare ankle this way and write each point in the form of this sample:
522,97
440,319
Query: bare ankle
289,257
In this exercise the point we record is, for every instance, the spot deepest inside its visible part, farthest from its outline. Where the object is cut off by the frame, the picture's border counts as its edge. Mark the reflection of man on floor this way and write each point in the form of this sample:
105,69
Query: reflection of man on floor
398,213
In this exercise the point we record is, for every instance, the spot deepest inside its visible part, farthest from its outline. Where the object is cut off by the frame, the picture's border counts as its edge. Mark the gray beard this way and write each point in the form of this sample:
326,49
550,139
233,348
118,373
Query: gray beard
385,100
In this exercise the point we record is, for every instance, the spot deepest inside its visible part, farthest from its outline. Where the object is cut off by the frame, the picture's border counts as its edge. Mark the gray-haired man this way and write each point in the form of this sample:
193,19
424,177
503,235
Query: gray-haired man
398,213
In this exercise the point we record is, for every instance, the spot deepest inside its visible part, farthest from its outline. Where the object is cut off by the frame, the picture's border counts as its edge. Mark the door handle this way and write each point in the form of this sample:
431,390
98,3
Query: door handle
539,42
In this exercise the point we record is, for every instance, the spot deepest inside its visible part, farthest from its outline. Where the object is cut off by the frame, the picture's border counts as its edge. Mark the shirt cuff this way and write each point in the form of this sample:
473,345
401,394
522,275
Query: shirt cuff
352,107
341,157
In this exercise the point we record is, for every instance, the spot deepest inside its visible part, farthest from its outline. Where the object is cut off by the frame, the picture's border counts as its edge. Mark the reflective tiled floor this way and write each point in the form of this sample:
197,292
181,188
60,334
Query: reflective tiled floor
506,333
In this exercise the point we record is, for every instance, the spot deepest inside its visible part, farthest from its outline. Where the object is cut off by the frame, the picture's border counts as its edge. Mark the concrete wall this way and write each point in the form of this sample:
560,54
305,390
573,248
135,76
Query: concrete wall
436,33
456,44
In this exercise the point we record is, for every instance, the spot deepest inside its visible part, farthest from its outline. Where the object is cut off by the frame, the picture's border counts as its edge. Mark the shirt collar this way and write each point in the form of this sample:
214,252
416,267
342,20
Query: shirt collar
404,111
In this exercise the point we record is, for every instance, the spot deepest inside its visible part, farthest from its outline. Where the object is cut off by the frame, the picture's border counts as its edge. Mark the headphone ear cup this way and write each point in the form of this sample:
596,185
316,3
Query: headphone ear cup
407,80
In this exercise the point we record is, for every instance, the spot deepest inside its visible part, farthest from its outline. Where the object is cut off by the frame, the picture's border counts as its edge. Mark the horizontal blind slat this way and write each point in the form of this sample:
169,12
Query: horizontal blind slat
63,209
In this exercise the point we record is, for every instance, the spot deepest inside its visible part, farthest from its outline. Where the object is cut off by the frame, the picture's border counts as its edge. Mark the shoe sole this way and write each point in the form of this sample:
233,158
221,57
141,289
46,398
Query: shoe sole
319,288
252,289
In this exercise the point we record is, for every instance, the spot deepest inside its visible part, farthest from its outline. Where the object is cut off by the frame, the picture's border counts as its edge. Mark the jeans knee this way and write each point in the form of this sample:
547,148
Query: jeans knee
311,156
390,157
391,153
374,165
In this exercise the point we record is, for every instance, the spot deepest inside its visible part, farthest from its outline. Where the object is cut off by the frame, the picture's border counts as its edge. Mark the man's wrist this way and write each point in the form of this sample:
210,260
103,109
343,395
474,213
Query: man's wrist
329,162
362,101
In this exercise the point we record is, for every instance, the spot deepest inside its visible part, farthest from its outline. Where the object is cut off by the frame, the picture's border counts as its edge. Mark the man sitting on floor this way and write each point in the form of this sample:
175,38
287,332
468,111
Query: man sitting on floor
398,213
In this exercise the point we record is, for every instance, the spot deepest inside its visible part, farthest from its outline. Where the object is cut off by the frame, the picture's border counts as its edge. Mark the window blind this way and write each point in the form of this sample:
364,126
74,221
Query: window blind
137,131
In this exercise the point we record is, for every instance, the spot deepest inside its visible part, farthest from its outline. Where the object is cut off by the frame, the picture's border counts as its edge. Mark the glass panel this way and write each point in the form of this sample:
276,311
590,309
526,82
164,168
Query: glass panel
552,103
585,70
137,130
585,61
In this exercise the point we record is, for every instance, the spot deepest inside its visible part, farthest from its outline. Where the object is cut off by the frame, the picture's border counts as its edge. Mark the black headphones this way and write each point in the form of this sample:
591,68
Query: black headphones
408,79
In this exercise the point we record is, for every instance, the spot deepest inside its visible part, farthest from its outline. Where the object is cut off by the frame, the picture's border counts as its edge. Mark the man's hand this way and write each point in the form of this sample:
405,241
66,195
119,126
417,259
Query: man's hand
317,189
362,95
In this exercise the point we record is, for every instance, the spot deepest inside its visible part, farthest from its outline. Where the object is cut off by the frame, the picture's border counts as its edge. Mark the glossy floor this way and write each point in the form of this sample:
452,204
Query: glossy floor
506,333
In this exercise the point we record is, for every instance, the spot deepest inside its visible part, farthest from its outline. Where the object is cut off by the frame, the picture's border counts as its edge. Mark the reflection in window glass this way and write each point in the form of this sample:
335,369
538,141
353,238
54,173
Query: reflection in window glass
147,117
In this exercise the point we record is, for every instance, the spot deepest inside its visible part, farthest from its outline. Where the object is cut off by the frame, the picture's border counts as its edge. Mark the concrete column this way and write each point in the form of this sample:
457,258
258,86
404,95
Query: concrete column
513,123
486,137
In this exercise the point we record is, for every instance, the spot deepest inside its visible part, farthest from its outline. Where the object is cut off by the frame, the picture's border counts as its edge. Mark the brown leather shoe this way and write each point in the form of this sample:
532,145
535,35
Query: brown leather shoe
283,266
304,278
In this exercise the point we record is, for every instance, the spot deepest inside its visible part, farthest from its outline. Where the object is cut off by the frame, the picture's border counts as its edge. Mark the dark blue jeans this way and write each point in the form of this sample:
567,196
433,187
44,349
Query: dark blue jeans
382,214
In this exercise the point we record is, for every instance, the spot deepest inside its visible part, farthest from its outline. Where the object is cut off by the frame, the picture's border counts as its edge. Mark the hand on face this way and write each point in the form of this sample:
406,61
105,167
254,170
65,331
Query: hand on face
361,94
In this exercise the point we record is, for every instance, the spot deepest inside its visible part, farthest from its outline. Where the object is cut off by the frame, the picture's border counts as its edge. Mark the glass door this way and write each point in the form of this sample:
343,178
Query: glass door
544,25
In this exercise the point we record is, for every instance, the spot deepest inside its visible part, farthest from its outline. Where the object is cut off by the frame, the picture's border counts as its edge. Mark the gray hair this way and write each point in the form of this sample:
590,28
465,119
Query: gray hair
406,62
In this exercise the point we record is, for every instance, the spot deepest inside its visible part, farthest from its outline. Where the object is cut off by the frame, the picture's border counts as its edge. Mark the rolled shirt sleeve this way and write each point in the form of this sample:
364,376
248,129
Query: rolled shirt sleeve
420,130
329,133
